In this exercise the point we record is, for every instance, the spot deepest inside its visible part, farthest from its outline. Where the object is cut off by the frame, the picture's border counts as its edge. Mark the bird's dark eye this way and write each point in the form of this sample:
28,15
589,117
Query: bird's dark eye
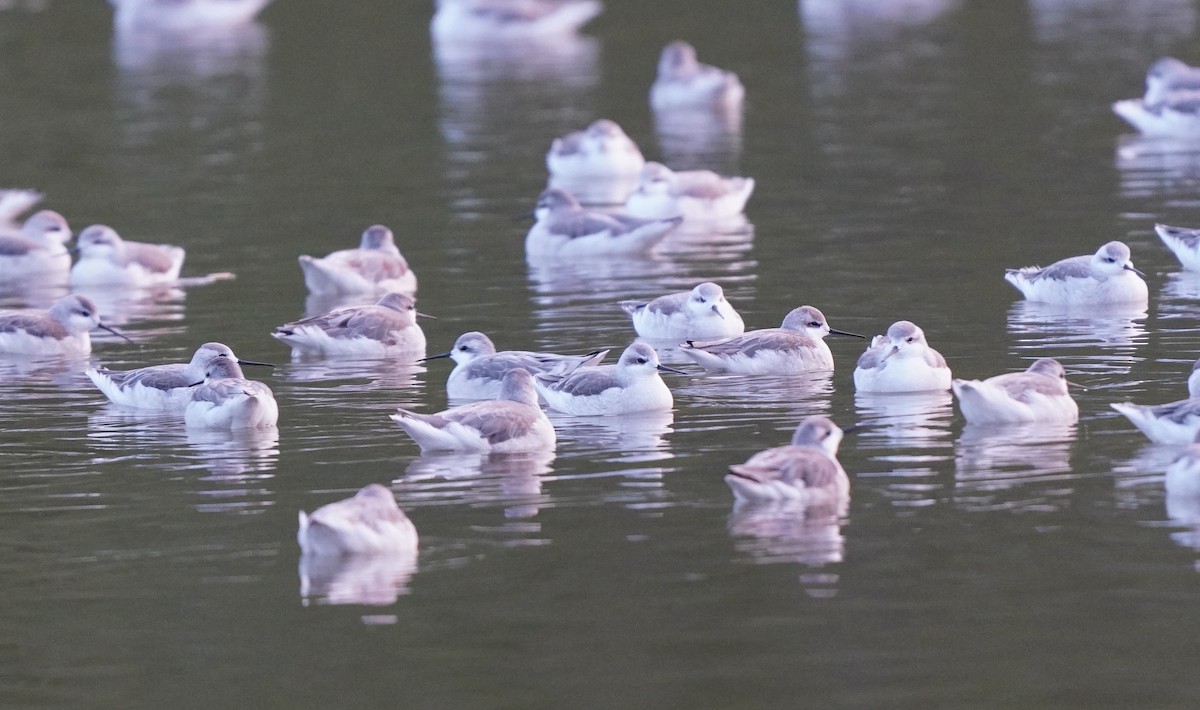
1111,260
909,339
702,300
641,361
815,324
85,314
463,348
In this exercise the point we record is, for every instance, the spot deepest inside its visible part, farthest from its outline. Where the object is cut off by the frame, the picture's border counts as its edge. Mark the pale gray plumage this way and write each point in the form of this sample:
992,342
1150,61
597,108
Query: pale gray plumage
383,321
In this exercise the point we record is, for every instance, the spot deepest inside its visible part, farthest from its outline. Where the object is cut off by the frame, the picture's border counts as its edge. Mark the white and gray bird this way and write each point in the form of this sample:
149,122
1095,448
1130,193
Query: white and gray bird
565,229
1183,242
37,249
227,400
806,470
683,82
366,524
600,151
1108,276
513,422
631,385
166,388
797,346
483,21
63,329
105,259
1170,107
696,195
479,368
387,327
374,268
1039,394
1172,423
901,361
699,314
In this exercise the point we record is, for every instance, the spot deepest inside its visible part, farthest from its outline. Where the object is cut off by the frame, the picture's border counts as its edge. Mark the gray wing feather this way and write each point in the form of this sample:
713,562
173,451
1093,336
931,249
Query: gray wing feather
161,377
1179,412
151,256
1020,385
35,324
12,245
496,421
585,382
754,341
1076,267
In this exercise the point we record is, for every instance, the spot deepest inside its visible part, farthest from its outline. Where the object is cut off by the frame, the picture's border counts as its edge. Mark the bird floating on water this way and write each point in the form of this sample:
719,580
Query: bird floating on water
368,523
387,327
105,259
479,369
683,82
796,346
162,387
227,400
631,385
806,470
600,151
1108,276
374,268
901,361
565,229
699,314
513,422
696,195
1039,394
63,329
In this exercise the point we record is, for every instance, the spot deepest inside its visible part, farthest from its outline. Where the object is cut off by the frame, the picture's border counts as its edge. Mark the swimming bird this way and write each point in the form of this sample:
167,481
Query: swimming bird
1108,276
375,267
1172,423
509,20
1183,242
565,229
1039,394
632,385
693,194
796,346
387,327
38,248
514,422
368,523
61,330
806,470
901,361
14,202
602,150
161,387
1182,481
227,400
1170,106
183,15
1168,75
105,259
479,369
683,82
700,313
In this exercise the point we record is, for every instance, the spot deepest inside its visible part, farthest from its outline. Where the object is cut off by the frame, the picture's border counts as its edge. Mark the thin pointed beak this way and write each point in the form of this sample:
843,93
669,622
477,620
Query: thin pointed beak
196,384
895,349
714,310
1129,267
115,332
1076,385
854,428
835,331
664,368
434,357
425,315
254,362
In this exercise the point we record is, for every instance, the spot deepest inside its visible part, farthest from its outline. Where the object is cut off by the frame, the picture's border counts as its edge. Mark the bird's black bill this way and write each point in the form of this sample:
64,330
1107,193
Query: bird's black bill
116,332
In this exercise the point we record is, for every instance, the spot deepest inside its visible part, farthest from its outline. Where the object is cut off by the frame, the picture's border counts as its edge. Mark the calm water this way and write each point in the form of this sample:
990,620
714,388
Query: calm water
903,157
